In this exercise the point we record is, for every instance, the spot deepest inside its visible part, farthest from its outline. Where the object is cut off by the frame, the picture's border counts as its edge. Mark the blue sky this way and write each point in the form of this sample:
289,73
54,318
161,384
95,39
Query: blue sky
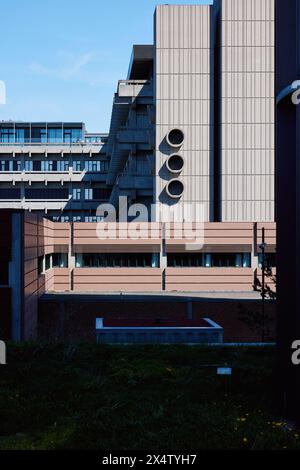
61,59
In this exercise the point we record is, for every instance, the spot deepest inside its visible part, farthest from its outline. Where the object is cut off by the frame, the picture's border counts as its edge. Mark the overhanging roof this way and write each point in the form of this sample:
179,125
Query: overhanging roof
141,62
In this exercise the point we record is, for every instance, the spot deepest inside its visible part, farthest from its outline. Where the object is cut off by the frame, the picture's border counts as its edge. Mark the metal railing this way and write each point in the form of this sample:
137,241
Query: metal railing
53,144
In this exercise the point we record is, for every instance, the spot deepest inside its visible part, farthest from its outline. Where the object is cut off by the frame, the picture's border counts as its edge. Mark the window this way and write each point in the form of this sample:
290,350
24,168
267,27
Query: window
40,265
20,136
10,165
77,165
270,260
64,218
115,260
47,262
185,260
243,260
63,165
91,165
36,165
93,218
54,135
46,193
96,166
76,218
7,135
17,165
72,135
10,193
207,260
88,194
76,194
60,260
38,134
93,139
28,165
47,165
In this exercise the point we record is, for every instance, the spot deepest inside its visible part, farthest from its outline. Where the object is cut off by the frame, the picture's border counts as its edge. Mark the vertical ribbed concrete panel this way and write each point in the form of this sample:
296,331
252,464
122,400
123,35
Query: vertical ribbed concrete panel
247,99
183,84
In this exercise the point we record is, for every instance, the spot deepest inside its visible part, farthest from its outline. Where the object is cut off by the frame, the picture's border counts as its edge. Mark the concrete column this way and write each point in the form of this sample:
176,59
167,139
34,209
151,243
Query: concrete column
163,256
254,253
71,256
15,277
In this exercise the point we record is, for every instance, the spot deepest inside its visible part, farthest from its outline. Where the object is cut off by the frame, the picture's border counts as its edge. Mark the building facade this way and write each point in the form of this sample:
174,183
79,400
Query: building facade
39,256
56,170
191,131
208,124
190,146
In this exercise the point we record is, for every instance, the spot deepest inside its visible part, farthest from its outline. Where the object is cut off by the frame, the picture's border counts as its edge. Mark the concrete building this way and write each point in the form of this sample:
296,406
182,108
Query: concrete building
56,170
247,97
41,257
130,140
192,128
191,137
199,110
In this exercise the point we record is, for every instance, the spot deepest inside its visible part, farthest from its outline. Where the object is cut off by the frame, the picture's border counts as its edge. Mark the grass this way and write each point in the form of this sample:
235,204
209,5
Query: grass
86,396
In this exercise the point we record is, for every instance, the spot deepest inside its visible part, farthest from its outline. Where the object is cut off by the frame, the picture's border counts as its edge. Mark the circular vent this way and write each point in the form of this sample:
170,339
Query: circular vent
175,137
175,188
175,163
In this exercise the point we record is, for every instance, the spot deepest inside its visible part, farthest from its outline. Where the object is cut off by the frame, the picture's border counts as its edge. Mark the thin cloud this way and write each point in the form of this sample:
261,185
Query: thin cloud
86,68
72,67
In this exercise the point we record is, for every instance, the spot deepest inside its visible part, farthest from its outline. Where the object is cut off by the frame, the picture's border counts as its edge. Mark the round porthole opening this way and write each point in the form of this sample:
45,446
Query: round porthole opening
175,163
175,137
175,188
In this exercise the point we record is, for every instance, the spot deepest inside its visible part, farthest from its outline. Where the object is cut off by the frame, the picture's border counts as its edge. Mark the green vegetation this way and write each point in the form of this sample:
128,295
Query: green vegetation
82,396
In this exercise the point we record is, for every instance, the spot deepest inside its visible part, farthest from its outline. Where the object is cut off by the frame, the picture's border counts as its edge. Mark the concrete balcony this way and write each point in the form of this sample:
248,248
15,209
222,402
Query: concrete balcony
135,88
41,205
57,149
51,177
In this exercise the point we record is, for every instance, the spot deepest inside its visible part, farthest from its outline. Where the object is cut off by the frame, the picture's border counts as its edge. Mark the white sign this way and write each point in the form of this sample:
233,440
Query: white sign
2,92
2,352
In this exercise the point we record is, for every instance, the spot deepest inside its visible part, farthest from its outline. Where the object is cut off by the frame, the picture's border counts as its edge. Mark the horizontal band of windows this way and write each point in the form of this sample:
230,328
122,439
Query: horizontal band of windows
40,135
92,166
131,260
117,260
76,218
10,193
208,260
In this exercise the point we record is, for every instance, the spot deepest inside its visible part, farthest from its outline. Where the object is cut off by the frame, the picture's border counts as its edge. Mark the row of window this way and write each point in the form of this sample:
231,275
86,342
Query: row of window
173,260
55,165
234,260
55,260
40,135
90,194
151,260
76,218
117,260
238,260
185,260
